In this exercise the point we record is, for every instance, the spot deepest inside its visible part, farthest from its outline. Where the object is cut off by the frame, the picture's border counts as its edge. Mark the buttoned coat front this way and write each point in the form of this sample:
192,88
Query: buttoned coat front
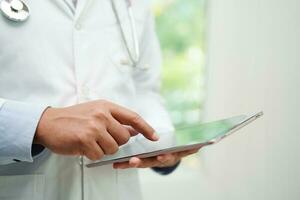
63,56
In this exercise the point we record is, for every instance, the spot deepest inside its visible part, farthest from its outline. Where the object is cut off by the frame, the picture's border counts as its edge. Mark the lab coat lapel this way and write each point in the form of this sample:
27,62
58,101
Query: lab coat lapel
65,6
82,9
70,5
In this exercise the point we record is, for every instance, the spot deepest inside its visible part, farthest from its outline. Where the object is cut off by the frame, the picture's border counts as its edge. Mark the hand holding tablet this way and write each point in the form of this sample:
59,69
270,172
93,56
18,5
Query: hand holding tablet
186,138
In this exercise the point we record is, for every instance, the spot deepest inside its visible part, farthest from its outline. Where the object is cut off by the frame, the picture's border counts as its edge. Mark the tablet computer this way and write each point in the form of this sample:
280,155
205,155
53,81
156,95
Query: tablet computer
184,138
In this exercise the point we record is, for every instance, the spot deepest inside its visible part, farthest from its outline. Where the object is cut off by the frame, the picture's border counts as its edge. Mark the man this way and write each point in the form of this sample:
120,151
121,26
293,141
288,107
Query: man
67,89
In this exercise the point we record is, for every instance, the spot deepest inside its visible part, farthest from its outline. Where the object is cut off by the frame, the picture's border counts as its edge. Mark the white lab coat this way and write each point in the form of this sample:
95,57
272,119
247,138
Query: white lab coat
62,57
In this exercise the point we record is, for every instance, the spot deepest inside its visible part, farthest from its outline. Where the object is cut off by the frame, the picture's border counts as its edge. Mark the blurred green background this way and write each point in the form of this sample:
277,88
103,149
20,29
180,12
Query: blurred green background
180,28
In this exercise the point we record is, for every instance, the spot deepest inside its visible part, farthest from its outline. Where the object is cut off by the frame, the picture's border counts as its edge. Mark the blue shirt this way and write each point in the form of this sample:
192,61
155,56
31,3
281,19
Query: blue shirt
18,122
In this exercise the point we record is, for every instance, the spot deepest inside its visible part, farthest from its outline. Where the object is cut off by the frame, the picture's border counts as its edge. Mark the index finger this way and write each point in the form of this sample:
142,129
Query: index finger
128,117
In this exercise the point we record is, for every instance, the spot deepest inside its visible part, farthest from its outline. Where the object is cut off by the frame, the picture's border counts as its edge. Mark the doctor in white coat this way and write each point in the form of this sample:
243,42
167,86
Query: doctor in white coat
67,89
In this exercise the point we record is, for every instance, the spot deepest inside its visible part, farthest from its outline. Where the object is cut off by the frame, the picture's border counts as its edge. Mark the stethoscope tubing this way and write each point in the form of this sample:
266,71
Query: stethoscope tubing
134,57
21,15
134,36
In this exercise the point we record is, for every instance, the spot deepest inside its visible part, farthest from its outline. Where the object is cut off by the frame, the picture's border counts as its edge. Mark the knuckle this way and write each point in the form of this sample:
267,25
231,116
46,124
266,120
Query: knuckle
136,119
103,102
95,155
98,155
92,124
83,139
112,150
101,115
124,139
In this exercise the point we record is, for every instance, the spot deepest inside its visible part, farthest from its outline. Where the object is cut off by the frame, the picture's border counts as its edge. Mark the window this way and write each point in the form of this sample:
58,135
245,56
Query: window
180,27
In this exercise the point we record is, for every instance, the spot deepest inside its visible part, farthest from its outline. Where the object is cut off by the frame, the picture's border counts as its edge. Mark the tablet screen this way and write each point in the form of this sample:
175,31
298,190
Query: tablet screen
183,138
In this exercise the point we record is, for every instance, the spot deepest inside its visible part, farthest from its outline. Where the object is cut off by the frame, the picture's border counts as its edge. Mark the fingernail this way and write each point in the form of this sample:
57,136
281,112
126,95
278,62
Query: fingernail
134,162
155,136
160,158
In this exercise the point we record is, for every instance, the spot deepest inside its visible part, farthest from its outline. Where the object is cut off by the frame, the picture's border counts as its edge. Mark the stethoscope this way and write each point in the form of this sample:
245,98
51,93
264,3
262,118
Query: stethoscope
18,11
134,57
15,10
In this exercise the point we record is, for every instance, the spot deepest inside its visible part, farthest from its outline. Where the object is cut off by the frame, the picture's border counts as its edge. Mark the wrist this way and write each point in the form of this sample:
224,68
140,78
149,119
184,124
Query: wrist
42,126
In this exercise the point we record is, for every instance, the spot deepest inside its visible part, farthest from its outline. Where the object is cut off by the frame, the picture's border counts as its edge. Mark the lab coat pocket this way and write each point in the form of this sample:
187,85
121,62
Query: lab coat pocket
22,187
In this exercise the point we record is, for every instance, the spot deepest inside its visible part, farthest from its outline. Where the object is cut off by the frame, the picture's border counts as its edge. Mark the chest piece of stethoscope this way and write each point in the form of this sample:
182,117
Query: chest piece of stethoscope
15,10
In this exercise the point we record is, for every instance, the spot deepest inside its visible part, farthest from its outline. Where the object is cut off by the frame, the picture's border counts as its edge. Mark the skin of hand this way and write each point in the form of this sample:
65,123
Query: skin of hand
165,160
90,129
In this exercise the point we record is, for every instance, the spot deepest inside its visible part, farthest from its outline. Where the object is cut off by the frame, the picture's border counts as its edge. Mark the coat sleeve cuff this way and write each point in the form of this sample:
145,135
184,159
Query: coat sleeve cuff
165,170
18,123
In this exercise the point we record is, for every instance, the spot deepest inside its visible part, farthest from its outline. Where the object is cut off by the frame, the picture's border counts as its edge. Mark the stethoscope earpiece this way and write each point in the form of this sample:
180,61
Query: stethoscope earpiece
15,10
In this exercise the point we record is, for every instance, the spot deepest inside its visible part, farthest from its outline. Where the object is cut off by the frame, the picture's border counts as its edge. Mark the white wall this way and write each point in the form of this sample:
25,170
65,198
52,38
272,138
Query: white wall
253,65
